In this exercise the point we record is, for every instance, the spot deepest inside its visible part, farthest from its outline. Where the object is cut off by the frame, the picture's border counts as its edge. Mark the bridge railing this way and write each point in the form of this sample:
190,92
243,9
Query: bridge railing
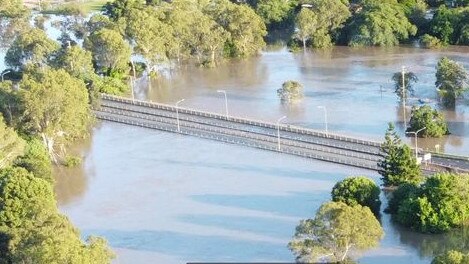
235,140
283,127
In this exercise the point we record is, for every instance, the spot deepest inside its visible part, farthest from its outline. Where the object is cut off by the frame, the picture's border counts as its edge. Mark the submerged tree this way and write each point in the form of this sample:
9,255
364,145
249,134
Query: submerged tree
291,91
451,80
430,119
357,190
335,231
409,80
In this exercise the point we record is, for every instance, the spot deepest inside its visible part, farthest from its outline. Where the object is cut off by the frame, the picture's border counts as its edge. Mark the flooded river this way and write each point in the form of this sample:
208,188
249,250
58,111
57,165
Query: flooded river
165,198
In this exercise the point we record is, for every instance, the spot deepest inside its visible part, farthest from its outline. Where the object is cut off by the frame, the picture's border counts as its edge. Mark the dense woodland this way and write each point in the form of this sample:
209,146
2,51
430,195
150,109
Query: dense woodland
51,85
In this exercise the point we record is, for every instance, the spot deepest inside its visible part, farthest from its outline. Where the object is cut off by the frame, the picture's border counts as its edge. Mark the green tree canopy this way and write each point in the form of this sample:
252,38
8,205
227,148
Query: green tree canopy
110,51
153,44
307,25
33,231
336,230
451,257
357,191
398,165
430,119
10,105
409,80
380,24
440,204
31,47
290,91
36,160
274,11
246,28
451,80
76,61
56,107
11,145
12,8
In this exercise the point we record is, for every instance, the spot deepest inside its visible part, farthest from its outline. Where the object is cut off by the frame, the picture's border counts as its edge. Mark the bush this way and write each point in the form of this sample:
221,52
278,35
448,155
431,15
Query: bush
403,192
425,116
71,161
36,160
357,190
440,204
431,42
451,257
290,91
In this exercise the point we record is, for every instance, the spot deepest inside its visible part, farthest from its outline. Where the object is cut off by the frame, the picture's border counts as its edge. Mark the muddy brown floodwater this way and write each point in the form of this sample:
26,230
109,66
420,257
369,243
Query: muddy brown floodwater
165,198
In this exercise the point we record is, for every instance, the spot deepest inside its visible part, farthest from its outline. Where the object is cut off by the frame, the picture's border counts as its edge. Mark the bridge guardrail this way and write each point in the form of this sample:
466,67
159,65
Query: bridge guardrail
209,136
289,128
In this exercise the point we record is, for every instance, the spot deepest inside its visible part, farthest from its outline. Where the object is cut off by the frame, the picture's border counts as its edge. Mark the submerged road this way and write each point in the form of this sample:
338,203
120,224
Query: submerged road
263,135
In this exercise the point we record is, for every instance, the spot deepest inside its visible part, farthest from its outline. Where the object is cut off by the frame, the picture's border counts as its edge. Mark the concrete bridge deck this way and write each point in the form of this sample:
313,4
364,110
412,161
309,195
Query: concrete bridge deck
293,140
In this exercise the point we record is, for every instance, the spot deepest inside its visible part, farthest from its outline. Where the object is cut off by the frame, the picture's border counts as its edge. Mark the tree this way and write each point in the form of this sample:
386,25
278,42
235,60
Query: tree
409,80
306,23
451,257
431,42
10,105
11,145
110,51
440,204
274,11
335,230
246,28
430,119
76,61
33,231
31,47
36,160
152,44
119,8
290,91
402,193
443,25
380,24
56,107
330,17
398,165
451,80
12,8
357,191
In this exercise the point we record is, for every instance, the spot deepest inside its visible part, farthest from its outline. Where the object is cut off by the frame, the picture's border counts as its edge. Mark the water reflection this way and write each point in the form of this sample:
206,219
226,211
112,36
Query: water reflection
354,85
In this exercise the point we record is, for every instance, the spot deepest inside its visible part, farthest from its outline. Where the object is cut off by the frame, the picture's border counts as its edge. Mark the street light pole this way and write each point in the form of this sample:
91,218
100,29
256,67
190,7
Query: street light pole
278,131
177,113
132,88
404,96
415,138
325,116
226,101
5,72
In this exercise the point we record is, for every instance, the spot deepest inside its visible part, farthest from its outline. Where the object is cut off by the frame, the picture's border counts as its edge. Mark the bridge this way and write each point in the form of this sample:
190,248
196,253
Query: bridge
281,138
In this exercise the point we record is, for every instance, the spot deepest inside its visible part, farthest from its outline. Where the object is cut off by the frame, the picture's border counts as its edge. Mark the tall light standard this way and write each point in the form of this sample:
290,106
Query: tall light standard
5,72
404,95
325,116
226,101
415,134
177,113
278,131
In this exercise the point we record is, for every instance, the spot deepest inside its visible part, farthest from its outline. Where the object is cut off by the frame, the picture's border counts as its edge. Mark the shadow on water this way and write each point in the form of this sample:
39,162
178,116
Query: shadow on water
257,225
192,247
294,205
327,178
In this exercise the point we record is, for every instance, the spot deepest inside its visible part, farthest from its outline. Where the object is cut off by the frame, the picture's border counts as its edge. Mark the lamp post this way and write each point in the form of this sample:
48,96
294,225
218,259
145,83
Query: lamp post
278,131
415,134
5,72
226,102
177,113
132,87
404,96
325,116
